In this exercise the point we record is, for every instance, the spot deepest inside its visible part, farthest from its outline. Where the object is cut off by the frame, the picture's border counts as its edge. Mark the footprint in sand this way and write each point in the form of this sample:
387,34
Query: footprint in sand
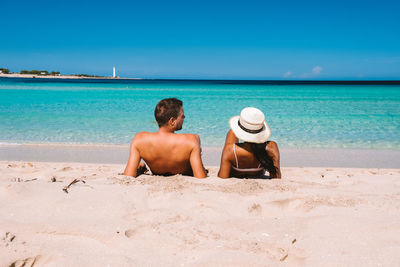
255,208
7,238
66,169
38,260
130,232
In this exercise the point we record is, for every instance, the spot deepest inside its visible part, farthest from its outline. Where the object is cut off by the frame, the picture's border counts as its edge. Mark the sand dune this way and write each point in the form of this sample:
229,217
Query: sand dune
312,217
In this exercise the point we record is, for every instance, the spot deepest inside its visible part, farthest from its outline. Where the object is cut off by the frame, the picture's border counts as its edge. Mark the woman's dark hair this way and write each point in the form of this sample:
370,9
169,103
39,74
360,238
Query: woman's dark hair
262,156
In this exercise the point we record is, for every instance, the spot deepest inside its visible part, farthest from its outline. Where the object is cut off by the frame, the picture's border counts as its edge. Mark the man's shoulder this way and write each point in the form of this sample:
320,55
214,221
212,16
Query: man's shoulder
140,136
189,137
186,140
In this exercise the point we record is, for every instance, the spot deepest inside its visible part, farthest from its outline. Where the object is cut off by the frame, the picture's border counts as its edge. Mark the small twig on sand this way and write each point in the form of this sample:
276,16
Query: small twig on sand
34,179
65,189
284,257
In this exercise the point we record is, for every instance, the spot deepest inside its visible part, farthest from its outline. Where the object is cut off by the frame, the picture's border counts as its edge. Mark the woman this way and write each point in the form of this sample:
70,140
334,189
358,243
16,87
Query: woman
256,155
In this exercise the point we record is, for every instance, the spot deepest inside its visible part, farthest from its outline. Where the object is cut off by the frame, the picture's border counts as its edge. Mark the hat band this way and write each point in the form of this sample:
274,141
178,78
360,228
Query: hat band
250,131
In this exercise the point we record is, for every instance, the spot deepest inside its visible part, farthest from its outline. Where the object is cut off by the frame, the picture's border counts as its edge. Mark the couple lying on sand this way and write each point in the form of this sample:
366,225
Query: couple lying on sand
168,153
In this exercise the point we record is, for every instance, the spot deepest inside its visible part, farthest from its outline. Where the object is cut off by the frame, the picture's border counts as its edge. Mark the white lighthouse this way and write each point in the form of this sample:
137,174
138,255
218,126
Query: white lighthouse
114,72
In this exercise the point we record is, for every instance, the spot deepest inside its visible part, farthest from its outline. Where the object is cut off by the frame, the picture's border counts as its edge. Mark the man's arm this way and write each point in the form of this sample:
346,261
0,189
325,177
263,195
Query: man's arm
195,160
131,168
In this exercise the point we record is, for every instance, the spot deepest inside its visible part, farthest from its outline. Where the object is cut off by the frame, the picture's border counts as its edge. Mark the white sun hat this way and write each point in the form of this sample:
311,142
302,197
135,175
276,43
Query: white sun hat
250,126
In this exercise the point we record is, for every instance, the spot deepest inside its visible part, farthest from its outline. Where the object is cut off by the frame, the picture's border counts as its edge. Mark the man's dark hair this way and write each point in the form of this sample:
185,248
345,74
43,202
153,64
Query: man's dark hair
166,109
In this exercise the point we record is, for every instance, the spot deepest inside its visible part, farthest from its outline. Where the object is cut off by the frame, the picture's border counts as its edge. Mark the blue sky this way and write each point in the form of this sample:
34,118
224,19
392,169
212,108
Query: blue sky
204,39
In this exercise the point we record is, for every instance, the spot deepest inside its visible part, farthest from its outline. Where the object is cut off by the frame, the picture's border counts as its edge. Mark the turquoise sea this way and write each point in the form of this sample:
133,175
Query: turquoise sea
105,112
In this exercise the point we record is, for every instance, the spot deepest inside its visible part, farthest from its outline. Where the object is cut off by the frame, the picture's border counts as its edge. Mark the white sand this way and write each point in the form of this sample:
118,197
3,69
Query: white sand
312,217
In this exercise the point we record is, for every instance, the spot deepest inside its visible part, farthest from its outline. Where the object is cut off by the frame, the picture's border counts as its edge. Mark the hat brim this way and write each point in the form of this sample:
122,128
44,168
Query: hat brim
260,137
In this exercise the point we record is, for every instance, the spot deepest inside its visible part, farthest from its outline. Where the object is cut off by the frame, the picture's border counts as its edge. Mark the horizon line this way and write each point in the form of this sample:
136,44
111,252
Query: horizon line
253,81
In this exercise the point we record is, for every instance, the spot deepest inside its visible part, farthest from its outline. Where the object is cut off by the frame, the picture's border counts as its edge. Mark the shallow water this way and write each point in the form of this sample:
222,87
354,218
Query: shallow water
311,115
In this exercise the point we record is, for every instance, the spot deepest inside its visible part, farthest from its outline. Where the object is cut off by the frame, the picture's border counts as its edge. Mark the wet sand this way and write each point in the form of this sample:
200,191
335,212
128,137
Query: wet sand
118,154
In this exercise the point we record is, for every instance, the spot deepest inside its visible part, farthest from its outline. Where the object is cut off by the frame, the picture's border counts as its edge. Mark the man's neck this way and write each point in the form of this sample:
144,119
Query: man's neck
166,129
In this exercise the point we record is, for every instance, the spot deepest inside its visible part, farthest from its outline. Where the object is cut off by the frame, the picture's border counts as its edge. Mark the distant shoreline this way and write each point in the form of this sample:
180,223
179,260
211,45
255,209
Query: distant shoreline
71,78
30,76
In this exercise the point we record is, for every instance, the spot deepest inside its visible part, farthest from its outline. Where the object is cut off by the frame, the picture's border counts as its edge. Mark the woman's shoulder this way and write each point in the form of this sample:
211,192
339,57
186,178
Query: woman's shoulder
272,149
272,144
228,148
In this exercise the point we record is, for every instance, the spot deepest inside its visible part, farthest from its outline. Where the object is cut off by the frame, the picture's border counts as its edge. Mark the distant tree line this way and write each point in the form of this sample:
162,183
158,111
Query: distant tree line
39,72
86,75
45,73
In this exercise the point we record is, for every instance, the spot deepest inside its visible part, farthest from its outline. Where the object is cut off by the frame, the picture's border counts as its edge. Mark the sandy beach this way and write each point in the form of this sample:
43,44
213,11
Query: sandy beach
314,216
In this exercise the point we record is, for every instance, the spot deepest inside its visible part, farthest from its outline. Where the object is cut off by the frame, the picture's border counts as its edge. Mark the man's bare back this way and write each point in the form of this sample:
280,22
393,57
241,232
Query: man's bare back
166,152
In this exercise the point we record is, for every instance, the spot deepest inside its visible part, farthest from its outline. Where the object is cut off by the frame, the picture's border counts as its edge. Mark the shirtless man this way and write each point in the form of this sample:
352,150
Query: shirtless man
165,152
